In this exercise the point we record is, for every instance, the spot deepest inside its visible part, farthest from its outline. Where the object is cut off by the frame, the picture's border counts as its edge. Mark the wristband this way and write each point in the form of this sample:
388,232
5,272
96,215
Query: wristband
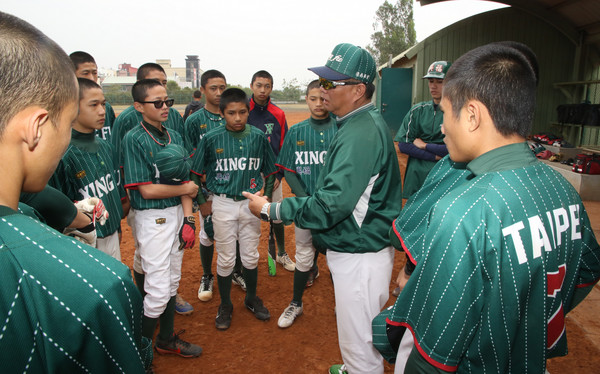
264,212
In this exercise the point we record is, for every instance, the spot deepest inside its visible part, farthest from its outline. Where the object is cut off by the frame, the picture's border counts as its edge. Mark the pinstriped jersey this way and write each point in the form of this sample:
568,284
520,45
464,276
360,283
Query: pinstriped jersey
304,149
109,120
130,118
506,252
233,162
424,121
140,147
197,125
66,307
411,225
85,172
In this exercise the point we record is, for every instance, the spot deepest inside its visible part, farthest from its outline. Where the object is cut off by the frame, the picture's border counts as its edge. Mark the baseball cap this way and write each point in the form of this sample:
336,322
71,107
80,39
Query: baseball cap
438,69
173,163
347,61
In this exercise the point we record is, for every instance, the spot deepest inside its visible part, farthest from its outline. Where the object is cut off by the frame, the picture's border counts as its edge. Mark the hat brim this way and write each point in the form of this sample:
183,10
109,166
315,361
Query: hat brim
329,73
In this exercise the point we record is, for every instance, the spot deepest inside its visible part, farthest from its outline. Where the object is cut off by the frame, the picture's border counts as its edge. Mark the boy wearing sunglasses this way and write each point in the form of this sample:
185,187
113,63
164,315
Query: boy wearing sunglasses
160,206
88,168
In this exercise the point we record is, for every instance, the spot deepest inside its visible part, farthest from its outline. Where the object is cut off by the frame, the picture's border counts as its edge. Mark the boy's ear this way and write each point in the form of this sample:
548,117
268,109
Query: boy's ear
35,118
138,106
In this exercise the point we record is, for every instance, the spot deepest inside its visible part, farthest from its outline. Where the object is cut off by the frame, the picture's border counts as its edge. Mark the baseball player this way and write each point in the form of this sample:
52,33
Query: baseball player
357,197
66,306
85,67
127,120
302,155
420,135
212,85
270,119
88,169
163,215
509,253
235,157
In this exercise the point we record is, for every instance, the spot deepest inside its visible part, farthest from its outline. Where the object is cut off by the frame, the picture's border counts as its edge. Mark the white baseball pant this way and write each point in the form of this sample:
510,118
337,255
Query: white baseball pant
110,245
305,252
157,234
233,221
361,285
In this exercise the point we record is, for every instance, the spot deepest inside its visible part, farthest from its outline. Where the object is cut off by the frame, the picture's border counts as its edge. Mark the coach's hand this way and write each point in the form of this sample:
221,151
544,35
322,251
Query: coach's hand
187,234
256,202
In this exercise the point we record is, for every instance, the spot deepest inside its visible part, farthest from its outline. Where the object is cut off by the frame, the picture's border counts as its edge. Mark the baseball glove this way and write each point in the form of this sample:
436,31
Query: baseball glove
187,233
94,207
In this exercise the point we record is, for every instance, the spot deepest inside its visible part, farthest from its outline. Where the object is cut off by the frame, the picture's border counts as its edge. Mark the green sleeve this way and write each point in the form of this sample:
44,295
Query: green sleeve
417,364
56,208
200,199
394,240
295,183
347,179
269,182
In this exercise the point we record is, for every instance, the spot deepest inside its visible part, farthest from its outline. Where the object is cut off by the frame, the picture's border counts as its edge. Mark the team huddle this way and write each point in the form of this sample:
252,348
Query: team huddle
499,247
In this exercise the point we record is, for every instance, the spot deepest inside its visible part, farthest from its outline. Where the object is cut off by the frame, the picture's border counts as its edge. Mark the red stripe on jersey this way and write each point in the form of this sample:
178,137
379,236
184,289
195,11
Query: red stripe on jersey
588,284
410,257
200,174
433,362
283,167
134,186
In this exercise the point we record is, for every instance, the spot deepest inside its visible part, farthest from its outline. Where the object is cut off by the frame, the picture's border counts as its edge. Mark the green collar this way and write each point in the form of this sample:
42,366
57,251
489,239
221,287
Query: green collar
512,156
320,124
85,141
240,134
6,211
356,111
161,136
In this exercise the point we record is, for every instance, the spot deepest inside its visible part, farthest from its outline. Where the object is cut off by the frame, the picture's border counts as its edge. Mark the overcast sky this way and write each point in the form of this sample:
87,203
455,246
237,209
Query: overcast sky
236,37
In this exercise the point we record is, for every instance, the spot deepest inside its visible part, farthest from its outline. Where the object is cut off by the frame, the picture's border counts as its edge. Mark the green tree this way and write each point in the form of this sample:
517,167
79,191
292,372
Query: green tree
394,30
172,86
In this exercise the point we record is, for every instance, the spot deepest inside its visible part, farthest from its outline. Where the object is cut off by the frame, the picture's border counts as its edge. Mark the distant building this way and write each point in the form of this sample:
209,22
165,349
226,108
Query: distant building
192,70
126,70
174,74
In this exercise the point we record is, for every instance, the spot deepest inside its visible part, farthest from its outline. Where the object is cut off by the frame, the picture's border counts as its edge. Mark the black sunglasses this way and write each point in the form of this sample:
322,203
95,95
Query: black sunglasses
159,103
328,85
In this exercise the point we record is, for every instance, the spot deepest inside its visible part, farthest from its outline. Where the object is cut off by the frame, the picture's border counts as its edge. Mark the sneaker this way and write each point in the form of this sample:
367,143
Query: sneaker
338,369
206,287
289,315
182,307
176,346
314,274
256,306
286,262
223,320
238,279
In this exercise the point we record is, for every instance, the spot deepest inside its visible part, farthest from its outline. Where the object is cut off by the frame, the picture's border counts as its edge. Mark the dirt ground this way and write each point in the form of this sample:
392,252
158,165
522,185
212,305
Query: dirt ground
310,344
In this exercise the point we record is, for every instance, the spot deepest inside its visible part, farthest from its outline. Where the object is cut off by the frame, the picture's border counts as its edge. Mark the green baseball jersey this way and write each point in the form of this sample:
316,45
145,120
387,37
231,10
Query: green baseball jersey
54,207
233,161
410,227
197,125
66,307
109,120
424,121
140,147
505,254
358,194
88,169
304,150
130,118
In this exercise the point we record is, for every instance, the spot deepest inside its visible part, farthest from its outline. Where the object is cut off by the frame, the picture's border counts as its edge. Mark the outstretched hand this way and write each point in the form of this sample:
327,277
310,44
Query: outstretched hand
256,202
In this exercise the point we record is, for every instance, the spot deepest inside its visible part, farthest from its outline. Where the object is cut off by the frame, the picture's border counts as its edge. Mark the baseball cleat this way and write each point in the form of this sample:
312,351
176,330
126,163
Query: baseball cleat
286,262
256,306
176,346
183,307
314,274
290,313
238,280
338,369
205,291
223,320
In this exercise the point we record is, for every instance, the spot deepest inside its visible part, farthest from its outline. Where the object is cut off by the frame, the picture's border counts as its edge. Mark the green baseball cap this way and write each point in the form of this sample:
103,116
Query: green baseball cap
348,61
173,163
438,70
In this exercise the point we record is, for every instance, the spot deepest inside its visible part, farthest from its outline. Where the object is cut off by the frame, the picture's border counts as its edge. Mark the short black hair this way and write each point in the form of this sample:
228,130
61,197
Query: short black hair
86,84
311,85
34,70
502,78
210,74
528,53
145,69
233,95
80,57
262,74
139,91
197,94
